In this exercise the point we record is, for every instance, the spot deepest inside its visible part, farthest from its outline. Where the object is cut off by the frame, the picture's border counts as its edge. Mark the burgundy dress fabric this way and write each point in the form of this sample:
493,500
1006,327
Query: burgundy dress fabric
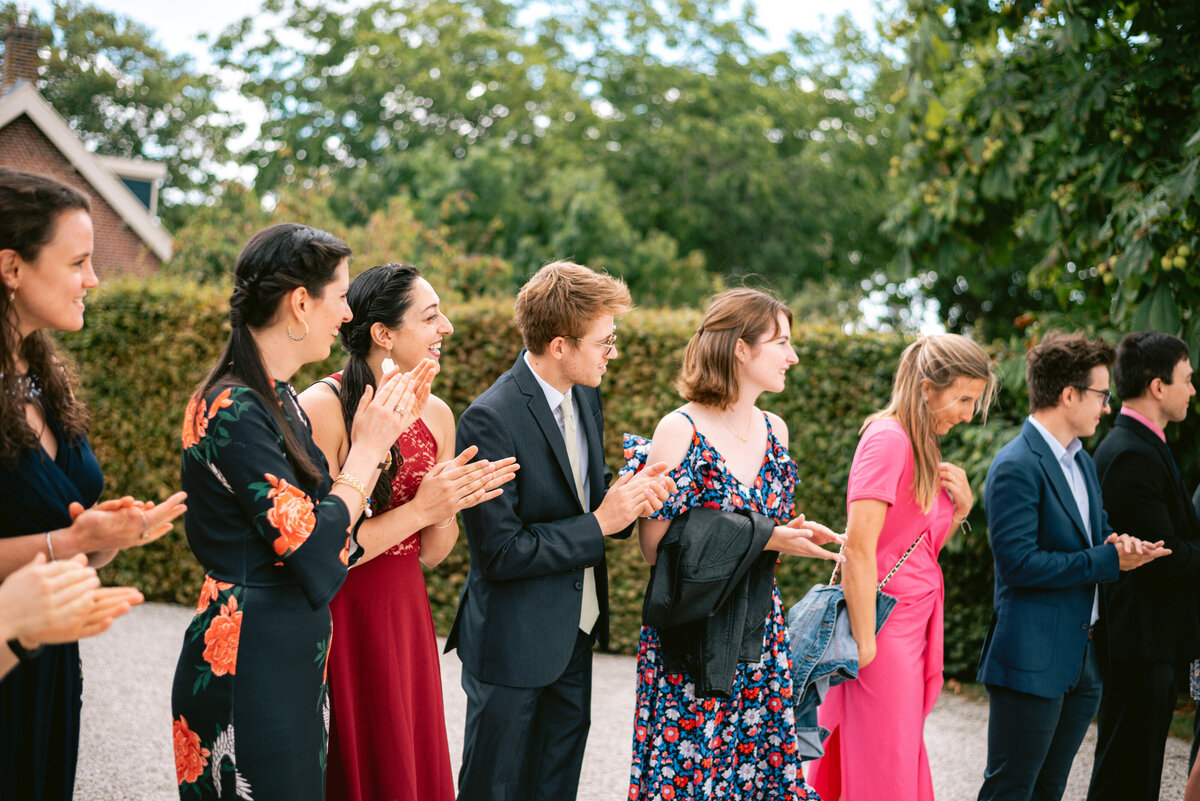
387,737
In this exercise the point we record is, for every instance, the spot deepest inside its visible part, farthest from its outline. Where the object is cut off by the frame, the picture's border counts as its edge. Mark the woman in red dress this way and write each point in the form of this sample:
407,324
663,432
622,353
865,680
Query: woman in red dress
387,734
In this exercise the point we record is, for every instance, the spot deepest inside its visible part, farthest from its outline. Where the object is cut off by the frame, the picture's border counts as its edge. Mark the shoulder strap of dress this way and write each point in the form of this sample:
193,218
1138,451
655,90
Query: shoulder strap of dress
688,417
329,382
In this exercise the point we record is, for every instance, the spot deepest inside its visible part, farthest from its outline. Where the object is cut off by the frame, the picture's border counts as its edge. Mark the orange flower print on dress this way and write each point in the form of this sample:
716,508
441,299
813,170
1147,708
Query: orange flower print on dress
221,639
209,591
197,415
190,757
344,554
193,416
291,515
220,402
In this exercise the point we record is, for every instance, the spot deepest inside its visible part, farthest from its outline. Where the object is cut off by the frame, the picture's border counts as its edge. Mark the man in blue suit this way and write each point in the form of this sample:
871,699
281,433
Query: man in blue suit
536,594
1052,547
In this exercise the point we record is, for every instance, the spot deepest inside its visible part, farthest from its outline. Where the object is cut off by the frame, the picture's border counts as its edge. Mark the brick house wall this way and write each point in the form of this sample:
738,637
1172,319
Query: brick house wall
118,249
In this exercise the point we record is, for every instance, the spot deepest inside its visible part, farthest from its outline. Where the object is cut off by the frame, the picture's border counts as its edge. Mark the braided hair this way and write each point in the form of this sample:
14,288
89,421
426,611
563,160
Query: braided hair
382,294
273,263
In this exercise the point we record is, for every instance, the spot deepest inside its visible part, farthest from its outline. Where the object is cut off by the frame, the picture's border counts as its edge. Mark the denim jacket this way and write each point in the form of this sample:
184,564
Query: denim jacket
824,654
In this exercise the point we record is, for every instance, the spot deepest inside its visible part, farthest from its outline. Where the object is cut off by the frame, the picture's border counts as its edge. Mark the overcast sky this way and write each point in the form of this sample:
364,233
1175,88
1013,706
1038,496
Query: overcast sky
177,24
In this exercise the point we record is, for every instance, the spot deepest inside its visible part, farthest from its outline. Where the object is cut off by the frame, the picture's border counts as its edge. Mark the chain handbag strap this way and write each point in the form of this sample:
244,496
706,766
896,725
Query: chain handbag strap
837,565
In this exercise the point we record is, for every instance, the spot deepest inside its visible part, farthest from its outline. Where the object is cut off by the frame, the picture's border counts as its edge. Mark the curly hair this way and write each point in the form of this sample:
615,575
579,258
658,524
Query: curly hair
30,209
1060,361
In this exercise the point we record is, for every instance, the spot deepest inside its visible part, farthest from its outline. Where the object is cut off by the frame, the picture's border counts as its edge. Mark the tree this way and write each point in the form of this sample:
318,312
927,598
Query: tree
668,146
124,96
1052,161
772,163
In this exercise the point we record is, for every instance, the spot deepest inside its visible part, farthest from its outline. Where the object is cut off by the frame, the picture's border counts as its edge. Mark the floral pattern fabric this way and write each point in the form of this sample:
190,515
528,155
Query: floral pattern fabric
249,702
743,747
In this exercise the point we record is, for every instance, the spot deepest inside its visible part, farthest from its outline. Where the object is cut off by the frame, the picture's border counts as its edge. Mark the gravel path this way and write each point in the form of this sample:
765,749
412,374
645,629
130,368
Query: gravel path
126,755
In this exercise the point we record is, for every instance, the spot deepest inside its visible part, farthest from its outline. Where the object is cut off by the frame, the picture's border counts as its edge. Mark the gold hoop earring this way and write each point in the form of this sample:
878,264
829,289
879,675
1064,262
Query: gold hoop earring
295,338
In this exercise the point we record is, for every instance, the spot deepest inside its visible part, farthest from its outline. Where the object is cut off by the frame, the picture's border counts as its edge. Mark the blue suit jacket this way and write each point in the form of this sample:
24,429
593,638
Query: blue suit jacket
518,616
1046,569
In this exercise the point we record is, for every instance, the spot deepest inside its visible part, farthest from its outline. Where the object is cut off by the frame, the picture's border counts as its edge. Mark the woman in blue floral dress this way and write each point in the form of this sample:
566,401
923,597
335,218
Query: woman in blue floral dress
727,455
249,704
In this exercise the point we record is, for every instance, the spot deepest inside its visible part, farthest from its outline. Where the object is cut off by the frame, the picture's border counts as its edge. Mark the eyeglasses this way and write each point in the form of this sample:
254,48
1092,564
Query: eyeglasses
1103,393
609,344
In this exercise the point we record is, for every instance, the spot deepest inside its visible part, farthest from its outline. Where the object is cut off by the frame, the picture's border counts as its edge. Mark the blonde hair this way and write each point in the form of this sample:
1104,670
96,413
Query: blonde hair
941,360
562,299
710,367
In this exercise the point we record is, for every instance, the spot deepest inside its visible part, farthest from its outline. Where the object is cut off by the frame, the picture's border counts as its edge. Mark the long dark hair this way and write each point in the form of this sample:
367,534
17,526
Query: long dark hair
382,294
276,260
30,208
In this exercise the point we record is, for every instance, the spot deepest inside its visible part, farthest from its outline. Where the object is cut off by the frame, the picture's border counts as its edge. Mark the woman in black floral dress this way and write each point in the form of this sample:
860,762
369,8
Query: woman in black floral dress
273,531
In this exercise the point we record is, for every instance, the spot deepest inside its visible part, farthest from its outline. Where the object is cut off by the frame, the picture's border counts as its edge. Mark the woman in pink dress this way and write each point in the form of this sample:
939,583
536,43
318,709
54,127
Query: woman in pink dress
387,734
900,493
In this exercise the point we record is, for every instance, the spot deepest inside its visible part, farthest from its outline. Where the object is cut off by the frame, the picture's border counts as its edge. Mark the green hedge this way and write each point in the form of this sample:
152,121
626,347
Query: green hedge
147,344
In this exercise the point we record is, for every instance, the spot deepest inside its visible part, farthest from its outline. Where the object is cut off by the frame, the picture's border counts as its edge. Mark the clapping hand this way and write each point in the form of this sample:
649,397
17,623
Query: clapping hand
459,483
1132,552
634,495
385,413
123,522
55,602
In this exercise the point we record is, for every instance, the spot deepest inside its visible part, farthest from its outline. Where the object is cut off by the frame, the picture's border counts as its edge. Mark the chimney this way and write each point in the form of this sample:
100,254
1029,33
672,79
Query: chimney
21,59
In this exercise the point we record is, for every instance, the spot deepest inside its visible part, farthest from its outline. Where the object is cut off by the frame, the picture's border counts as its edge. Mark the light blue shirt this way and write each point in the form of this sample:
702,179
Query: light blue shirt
1066,460
555,398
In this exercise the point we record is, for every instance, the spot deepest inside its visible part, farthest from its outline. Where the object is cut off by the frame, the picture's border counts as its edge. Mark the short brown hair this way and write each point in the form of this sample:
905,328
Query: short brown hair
1060,361
562,299
709,373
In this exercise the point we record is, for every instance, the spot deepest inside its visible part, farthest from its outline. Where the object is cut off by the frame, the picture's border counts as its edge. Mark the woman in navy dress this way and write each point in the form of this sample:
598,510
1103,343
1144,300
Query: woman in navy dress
273,531
49,475
727,454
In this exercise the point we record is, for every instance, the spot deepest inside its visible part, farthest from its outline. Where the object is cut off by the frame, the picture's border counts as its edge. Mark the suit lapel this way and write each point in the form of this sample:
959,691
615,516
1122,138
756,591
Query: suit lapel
1054,474
540,409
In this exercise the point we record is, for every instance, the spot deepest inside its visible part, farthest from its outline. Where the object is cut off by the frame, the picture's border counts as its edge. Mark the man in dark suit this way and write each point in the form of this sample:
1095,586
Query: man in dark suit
536,594
1152,623
1052,547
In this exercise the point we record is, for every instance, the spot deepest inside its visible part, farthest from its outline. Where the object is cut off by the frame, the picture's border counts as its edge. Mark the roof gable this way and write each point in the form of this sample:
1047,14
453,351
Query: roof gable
26,100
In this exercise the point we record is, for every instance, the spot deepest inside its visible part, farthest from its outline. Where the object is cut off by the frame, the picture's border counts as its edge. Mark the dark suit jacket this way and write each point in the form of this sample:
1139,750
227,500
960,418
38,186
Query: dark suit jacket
1046,569
518,616
1152,611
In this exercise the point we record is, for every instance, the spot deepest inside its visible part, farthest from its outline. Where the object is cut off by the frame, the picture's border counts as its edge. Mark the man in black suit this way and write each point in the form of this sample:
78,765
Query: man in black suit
1152,623
536,595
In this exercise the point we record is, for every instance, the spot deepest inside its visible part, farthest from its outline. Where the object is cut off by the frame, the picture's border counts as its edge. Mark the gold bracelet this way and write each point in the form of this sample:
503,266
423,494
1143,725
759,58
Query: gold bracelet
356,485
449,520
50,546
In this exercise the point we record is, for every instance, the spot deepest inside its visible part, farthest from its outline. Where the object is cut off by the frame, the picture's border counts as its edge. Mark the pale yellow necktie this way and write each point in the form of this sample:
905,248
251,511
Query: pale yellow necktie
589,610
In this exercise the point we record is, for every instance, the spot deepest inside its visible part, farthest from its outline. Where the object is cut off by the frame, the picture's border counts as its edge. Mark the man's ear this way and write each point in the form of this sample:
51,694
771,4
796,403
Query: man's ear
557,349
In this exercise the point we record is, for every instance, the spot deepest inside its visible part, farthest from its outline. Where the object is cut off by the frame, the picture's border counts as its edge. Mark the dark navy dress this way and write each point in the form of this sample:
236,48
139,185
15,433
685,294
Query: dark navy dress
40,701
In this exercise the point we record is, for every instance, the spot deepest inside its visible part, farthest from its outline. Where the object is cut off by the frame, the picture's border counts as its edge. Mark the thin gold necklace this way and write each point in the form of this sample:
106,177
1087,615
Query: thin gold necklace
728,428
